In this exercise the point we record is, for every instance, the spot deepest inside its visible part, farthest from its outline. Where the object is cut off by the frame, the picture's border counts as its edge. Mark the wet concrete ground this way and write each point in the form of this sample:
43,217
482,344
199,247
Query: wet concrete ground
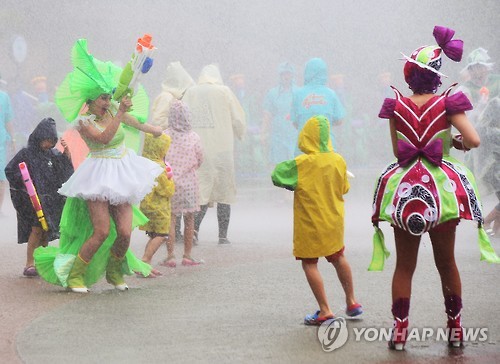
246,303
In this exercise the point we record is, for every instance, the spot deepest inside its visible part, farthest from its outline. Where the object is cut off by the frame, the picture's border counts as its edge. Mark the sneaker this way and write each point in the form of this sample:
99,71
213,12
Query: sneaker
354,310
399,334
195,237
179,239
455,331
192,261
30,271
224,241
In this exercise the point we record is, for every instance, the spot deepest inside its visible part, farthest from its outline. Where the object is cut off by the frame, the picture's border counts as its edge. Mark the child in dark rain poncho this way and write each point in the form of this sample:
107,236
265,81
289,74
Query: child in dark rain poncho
49,169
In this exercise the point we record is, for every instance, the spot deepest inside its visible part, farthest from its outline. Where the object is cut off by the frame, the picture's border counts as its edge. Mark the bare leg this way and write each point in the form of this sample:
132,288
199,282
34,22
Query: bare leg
122,214
406,261
316,283
345,277
492,220
490,217
188,233
152,247
99,215
35,240
178,222
443,246
171,239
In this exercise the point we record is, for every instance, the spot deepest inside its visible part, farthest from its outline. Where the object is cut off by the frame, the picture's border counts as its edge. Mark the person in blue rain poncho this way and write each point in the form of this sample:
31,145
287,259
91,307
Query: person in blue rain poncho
277,128
316,98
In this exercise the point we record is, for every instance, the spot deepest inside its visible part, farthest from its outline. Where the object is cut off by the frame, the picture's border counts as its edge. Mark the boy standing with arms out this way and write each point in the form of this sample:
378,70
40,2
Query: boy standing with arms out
319,180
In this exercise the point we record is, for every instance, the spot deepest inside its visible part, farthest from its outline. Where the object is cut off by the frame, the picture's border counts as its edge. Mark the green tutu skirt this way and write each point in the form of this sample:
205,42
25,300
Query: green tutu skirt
54,263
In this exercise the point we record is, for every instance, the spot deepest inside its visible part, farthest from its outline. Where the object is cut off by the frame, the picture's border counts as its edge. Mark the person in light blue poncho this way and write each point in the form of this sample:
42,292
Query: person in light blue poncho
316,98
277,126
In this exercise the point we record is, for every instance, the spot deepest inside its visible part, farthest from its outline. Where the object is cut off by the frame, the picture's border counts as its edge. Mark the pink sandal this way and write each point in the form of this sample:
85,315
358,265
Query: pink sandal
169,263
191,261
30,271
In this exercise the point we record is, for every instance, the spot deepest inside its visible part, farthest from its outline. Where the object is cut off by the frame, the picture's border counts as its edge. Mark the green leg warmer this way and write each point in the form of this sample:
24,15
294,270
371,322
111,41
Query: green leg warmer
76,276
114,274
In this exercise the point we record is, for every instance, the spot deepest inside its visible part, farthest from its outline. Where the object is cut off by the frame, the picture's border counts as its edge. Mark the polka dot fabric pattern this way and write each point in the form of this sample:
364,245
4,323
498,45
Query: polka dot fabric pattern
185,156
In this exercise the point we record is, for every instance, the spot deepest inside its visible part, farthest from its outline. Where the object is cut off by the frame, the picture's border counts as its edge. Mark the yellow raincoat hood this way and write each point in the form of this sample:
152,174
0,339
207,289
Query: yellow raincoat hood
315,136
155,148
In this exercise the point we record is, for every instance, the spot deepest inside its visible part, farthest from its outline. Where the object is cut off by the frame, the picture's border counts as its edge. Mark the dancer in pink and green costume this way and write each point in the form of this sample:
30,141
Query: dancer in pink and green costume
426,190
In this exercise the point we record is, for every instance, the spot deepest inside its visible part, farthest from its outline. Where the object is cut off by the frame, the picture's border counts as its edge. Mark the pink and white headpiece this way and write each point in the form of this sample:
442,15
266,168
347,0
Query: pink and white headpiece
429,57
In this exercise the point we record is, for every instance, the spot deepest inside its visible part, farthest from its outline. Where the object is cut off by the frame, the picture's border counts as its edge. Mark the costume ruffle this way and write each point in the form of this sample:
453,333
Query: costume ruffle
387,110
117,180
53,264
457,103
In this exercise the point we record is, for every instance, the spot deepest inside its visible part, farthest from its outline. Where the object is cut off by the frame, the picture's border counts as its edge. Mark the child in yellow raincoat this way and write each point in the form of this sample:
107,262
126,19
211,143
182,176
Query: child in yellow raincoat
319,181
156,205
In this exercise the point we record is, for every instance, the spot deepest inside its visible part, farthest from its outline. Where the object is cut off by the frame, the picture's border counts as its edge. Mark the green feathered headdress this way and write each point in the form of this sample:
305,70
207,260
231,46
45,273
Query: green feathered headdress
89,79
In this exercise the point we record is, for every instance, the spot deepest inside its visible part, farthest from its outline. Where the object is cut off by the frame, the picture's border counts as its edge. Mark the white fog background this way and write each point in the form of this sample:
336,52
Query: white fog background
358,39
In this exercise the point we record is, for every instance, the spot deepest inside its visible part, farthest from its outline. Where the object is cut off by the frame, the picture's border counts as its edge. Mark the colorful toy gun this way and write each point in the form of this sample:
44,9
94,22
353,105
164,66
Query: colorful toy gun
140,63
168,170
35,201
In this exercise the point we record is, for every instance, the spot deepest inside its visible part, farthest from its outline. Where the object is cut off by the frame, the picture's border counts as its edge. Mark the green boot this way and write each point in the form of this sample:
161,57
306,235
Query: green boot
75,278
114,273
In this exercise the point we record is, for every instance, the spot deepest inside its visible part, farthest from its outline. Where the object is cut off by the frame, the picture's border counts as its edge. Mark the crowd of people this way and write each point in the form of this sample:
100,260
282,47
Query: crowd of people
204,137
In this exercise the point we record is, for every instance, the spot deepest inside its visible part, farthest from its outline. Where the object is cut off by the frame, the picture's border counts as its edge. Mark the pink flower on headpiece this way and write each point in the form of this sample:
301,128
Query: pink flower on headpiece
453,48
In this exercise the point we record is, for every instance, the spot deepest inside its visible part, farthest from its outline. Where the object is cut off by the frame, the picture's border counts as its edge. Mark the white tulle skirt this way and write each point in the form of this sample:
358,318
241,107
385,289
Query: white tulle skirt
126,179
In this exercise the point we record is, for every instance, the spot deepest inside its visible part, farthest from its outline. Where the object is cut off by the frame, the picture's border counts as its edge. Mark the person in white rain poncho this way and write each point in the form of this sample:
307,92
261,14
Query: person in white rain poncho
177,81
217,117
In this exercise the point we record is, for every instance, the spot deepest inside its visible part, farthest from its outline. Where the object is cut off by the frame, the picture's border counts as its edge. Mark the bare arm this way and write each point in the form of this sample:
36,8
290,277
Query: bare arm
394,137
469,134
146,128
66,150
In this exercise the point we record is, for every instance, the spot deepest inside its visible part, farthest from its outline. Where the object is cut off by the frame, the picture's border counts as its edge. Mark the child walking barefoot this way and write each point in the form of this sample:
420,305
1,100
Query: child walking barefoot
156,205
319,181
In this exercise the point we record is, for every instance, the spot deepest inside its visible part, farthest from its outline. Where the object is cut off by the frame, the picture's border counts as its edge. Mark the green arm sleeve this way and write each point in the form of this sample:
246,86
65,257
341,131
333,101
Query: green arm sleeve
285,175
